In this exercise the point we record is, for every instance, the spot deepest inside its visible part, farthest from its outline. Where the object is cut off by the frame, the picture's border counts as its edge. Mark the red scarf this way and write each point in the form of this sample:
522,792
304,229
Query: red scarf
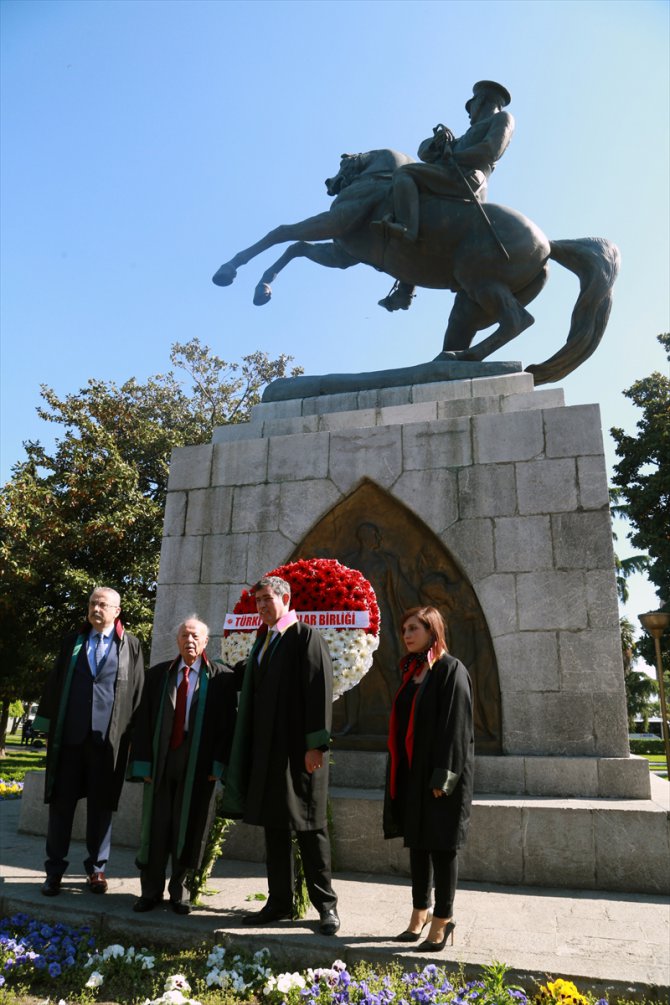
411,667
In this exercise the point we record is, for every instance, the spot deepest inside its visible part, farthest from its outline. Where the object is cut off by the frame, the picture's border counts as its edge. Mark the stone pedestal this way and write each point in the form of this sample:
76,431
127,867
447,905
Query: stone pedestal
511,485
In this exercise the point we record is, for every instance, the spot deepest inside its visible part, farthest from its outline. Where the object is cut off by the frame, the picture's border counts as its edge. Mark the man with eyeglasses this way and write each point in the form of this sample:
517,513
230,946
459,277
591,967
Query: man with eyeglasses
87,709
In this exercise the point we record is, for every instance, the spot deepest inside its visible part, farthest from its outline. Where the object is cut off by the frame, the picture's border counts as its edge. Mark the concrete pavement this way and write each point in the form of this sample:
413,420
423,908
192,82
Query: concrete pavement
609,943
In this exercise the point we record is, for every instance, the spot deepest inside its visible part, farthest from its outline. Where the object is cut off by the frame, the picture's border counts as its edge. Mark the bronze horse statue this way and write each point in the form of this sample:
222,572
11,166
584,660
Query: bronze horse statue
456,251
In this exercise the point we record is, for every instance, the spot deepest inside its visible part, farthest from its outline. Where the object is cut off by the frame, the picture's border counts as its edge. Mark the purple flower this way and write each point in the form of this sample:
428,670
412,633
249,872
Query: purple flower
54,970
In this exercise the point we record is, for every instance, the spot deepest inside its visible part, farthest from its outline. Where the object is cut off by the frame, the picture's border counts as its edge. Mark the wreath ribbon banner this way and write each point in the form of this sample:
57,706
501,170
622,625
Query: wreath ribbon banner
317,619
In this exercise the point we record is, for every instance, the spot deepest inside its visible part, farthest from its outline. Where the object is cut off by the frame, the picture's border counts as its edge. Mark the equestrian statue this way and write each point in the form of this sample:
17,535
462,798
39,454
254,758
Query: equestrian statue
428,224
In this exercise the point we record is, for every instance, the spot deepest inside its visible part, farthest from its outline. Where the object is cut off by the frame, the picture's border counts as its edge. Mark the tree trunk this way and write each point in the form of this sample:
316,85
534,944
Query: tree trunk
4,718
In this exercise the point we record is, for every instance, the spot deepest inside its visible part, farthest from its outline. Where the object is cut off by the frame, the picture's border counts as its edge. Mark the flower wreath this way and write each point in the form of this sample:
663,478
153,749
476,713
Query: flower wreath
320,587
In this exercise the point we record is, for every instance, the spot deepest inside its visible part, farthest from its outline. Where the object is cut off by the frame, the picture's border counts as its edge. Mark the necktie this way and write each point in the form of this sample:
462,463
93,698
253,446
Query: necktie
99,651
179,721
268,639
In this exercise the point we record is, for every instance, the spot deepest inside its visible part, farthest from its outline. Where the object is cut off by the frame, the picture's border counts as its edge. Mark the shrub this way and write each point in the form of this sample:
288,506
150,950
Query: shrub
647,747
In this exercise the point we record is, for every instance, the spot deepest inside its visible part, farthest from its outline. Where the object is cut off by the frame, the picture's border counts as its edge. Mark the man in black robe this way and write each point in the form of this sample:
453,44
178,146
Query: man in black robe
180,747
87,711
278,777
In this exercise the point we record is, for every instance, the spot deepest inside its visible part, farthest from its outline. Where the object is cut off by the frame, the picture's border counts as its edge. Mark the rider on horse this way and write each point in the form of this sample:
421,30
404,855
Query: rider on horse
455,168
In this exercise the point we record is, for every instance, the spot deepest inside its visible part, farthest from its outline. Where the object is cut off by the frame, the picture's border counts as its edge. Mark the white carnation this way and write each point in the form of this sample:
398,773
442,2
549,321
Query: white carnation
351,650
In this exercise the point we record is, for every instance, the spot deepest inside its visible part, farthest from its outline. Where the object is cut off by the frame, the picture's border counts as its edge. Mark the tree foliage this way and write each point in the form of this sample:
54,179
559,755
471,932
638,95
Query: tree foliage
640,687
625,567
642,477
90,510
642,474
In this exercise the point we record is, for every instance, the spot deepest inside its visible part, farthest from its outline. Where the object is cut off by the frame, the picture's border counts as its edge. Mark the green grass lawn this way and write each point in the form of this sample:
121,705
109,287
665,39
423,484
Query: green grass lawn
657,764
18,760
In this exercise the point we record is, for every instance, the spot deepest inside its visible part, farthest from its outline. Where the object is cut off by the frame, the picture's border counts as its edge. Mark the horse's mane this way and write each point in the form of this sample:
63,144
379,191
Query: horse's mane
380,163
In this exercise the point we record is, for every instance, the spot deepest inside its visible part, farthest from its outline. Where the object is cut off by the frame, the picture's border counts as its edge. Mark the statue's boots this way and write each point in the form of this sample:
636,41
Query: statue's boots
399,299
388,227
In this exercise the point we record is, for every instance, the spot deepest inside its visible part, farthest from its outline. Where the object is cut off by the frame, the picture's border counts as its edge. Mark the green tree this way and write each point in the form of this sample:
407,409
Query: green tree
625,567
640,691
642,476
640,687
90,510
642,473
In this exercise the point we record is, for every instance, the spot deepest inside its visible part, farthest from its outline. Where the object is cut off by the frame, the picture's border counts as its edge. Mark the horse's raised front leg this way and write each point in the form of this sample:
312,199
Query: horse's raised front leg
329,255
323,227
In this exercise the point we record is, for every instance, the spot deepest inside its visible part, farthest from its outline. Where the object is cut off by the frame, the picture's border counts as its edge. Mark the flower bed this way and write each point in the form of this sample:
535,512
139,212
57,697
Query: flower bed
31,948
319,587
64,963
10,789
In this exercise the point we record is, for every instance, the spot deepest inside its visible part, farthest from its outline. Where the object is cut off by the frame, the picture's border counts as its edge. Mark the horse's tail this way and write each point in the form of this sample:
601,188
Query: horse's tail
595,262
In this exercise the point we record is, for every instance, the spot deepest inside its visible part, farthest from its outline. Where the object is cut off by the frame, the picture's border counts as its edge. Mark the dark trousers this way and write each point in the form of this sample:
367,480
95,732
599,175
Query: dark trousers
438,868
165,818
315,853
81,774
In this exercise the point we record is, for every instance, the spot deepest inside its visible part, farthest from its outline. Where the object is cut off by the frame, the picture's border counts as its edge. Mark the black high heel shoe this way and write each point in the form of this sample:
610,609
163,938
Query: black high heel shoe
435,947
408,936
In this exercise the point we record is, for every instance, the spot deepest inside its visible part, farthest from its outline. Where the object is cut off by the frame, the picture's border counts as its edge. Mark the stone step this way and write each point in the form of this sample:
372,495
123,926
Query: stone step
583,844
570,777
579,843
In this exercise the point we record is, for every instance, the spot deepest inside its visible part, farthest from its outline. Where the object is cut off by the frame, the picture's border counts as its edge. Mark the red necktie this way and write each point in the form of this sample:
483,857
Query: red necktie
179,721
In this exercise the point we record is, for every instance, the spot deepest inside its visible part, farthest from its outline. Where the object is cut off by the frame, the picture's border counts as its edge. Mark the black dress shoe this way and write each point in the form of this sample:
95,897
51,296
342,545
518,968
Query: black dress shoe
267,915
180,907
329,922
51,886
145,904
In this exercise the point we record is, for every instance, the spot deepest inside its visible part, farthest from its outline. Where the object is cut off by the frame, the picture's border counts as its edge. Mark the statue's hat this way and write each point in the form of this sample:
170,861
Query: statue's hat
489,85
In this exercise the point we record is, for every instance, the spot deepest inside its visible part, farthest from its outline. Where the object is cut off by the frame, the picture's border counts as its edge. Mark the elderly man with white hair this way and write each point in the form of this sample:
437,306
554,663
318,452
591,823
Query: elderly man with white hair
180,747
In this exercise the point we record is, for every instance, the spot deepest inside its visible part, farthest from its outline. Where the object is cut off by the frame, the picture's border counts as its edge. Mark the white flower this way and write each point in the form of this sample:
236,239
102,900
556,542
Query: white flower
351,650
177,982
286,982
236,647
174,997
113,951
216,957
95,980
330,976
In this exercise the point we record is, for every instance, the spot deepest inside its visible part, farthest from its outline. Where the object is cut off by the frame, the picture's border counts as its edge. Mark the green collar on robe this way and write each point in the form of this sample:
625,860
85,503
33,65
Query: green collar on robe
149,789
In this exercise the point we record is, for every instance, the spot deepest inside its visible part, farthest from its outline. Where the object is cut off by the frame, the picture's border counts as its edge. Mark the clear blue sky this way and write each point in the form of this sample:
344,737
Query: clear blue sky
143,143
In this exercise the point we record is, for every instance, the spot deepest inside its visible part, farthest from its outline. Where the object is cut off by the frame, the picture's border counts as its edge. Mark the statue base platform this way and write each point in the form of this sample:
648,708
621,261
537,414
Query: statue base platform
523,831
313,385
476,472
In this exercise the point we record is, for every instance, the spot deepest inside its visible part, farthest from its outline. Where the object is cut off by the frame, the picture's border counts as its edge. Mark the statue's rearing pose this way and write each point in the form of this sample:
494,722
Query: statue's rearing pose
427,224
455,168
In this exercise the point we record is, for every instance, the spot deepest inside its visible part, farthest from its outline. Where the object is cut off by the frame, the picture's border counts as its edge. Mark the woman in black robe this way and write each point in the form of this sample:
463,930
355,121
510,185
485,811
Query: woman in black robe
430,772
